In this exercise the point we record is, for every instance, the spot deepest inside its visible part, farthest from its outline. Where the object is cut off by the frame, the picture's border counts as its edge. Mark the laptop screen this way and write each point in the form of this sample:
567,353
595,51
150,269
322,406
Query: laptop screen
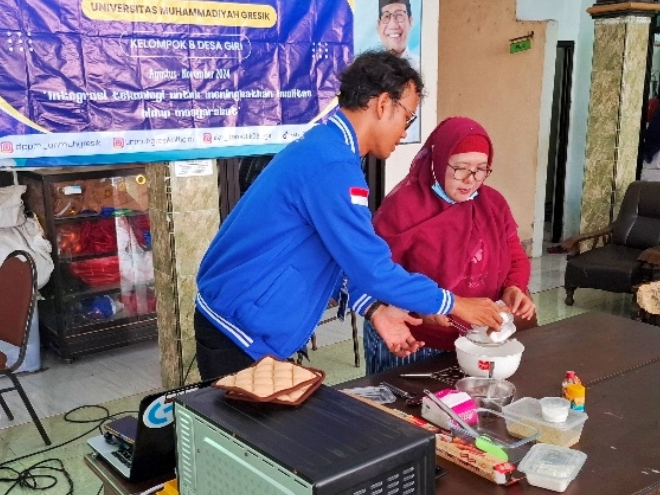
151,436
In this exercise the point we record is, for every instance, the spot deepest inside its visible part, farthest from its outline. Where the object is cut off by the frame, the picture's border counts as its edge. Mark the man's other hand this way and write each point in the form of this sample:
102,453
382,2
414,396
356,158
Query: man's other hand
391,324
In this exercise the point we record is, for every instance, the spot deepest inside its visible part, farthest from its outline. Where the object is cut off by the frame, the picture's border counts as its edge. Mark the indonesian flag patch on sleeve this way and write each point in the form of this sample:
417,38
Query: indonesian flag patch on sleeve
359,196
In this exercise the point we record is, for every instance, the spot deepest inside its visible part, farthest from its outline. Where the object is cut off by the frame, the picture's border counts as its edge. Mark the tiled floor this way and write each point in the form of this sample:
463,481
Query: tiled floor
94,379
119,378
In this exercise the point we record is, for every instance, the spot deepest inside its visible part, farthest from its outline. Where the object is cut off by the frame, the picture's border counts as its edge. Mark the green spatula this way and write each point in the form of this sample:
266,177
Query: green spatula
482,442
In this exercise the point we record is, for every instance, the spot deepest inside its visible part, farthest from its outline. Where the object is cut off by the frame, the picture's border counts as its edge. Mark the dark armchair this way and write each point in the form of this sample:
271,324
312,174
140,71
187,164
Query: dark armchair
621,256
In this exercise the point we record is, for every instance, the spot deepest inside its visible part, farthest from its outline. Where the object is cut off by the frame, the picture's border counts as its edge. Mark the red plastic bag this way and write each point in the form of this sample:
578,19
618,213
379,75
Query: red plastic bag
97,272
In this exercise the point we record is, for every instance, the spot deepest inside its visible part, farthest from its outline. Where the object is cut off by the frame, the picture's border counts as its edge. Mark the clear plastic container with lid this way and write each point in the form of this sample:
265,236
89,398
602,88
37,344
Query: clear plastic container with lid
493,424
552,467
528,410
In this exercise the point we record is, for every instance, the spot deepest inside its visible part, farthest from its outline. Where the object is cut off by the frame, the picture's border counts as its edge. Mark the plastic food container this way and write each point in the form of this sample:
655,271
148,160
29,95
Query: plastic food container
494,425
554,409
552,467
528,410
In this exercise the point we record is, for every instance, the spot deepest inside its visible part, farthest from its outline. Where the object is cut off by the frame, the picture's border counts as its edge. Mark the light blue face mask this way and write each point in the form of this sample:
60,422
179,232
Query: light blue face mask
441,192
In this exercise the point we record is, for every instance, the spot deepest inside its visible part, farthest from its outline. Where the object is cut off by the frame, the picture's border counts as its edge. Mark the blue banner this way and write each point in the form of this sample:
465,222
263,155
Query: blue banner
112,81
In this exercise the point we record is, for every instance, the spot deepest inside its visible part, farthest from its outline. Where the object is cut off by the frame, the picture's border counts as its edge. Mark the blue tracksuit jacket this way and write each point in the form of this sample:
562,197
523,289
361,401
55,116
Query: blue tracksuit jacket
285,249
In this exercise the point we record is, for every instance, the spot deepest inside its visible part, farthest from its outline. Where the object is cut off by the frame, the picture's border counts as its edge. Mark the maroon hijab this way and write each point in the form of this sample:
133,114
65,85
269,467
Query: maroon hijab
462,246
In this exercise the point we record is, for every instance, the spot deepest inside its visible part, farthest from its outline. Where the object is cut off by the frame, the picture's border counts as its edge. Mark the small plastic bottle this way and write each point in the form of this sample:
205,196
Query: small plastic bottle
570,378
576,394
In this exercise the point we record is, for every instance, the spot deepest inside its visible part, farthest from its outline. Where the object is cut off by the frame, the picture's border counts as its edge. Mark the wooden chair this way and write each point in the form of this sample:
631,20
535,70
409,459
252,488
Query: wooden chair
18,291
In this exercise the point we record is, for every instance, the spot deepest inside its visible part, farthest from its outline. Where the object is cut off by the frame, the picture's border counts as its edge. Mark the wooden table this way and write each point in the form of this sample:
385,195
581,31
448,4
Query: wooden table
619,362
114,483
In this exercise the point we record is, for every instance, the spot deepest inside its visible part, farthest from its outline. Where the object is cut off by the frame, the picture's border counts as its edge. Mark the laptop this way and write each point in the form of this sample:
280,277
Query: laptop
144,447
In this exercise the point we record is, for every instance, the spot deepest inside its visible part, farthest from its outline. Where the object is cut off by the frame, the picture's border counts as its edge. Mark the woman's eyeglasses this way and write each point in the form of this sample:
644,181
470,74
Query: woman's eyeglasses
463,173
413,115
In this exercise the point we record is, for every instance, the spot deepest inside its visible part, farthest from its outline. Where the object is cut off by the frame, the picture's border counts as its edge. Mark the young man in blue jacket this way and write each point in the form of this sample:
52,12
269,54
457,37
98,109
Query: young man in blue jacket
302,235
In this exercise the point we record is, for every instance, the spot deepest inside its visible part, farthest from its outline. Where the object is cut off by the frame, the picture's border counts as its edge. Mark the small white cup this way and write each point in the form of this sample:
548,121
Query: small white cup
554,409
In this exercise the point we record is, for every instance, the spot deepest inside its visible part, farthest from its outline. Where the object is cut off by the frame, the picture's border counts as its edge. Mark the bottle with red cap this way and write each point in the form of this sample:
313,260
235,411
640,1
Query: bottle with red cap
570,379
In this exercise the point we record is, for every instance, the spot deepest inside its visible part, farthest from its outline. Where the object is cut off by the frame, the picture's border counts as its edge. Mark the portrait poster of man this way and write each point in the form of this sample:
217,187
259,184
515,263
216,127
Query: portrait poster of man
394,25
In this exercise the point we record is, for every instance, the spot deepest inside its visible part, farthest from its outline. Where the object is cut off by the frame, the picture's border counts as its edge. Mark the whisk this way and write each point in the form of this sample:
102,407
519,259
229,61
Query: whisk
462,329
474,336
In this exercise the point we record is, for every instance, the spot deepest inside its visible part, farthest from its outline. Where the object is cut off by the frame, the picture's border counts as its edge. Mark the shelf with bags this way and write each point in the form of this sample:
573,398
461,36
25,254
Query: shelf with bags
72,258
101,294
81,322
76,292
97,305
99,336
103,235
105,290
81,217
106,303
100,274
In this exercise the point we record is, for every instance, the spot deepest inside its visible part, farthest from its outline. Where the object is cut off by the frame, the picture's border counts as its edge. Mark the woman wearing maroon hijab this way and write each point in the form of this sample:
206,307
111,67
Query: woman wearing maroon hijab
443,222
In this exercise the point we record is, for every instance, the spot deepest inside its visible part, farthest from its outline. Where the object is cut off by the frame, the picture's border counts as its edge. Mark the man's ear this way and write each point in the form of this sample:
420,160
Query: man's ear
381,103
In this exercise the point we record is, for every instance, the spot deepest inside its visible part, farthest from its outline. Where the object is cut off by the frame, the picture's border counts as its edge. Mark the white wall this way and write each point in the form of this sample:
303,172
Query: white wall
563,11
655,63
577,142
545,119
502,91
399,162
574,24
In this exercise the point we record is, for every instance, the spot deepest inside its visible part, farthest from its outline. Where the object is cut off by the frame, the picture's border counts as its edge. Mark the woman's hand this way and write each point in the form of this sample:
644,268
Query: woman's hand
519,302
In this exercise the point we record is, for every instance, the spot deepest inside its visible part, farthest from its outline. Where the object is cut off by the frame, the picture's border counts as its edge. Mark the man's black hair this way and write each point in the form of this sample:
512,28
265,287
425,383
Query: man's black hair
373,73
384,3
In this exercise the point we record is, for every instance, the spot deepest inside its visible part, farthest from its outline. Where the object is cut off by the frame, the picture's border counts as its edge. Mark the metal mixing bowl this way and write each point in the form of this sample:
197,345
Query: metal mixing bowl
489,393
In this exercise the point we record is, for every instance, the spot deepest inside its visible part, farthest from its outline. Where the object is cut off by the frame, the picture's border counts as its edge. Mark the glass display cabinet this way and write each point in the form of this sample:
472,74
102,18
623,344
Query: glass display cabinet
101,293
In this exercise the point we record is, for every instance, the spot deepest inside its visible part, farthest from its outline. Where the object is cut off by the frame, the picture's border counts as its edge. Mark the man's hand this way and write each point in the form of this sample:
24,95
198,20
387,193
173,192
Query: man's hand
390,323
519,302
479,311
441,320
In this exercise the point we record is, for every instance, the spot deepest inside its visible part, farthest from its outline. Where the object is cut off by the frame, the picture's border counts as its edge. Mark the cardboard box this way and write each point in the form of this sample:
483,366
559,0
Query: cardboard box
466,455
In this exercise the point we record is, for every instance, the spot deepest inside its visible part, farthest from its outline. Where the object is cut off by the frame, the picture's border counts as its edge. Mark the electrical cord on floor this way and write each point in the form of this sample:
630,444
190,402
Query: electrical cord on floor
41,475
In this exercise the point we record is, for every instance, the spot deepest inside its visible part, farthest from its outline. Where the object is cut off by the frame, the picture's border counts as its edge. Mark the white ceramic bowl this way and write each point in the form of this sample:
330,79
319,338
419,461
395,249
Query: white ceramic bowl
476,360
